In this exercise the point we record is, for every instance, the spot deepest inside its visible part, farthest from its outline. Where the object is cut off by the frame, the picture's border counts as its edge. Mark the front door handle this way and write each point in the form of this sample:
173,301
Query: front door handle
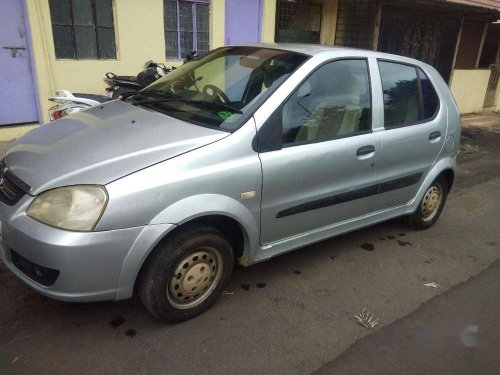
365,150
434,135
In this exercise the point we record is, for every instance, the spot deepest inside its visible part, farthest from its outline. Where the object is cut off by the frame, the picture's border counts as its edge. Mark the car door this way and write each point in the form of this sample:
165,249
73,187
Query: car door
318,153
414,131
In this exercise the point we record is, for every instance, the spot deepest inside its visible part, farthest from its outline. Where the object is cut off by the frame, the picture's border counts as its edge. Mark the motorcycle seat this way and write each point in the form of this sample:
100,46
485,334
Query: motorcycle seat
97,98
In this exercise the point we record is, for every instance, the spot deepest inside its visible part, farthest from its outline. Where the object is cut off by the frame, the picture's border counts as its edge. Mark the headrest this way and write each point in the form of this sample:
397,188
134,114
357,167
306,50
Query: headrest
274,73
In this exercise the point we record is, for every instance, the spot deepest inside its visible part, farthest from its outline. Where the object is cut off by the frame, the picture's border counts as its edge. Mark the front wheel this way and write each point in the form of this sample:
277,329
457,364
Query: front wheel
431,206
186,274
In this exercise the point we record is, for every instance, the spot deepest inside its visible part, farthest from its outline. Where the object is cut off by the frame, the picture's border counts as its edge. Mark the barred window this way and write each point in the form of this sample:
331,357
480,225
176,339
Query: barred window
186,27
83,29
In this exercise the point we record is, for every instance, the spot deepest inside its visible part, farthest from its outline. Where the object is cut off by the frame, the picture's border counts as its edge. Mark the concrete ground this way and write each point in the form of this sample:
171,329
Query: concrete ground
294,314
454,333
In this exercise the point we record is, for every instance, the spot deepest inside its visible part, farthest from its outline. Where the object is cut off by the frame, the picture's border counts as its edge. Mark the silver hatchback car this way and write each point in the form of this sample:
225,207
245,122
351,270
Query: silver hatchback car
244,154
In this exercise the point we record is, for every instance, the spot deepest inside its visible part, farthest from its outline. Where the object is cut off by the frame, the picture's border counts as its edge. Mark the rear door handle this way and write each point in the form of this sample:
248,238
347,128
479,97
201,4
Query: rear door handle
434,135
365,150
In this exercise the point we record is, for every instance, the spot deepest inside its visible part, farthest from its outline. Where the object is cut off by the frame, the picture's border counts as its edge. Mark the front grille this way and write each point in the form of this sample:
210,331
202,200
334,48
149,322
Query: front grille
42,275
12,188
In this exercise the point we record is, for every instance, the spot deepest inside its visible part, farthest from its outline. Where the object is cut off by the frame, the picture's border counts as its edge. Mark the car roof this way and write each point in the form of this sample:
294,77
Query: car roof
308,49
315,49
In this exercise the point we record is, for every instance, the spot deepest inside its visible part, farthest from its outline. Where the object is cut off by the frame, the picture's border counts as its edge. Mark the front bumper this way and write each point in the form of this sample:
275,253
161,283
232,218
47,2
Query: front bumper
89,264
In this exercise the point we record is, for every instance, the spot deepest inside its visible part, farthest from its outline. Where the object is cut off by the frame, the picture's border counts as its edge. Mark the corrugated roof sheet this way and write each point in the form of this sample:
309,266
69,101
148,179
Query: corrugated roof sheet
491,4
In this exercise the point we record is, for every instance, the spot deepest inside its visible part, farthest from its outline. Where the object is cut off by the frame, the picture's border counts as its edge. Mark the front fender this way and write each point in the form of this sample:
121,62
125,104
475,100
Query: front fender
145,242
179,213
197,206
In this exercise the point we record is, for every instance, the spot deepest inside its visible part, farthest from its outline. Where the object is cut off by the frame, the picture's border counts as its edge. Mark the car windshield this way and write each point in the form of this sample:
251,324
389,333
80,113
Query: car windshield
221,89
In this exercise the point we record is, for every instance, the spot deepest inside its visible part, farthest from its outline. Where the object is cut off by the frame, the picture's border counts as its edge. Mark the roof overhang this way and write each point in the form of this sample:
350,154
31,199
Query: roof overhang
487,10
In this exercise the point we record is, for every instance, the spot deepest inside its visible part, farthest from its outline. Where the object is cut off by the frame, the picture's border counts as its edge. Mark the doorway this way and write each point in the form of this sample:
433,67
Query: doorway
18,103
243,21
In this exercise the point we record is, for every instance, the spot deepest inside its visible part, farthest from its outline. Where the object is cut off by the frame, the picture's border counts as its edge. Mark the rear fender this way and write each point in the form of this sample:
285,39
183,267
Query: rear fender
437,169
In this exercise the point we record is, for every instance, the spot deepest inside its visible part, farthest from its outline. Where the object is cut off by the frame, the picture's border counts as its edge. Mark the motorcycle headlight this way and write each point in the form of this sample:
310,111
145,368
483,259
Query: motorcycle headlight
76,208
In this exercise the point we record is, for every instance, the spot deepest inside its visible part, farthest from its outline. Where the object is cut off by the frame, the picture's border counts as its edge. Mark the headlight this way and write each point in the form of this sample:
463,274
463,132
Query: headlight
75,208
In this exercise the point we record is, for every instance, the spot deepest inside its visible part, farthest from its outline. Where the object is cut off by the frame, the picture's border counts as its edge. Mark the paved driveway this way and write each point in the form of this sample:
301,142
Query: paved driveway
290,315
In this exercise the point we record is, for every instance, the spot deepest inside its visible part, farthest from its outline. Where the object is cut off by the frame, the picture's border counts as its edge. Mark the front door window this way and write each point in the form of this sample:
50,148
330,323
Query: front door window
333,102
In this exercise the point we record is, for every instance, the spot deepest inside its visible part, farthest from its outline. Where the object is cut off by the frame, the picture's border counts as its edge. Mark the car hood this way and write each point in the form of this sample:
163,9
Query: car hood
102,144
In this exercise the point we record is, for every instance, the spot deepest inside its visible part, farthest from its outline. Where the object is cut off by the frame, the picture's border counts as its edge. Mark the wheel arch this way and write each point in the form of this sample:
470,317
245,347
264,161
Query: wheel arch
449,175
444,167
227,225
223,213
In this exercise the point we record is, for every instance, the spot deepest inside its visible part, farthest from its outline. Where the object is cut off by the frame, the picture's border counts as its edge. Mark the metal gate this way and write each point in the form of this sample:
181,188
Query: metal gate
426,36
356,23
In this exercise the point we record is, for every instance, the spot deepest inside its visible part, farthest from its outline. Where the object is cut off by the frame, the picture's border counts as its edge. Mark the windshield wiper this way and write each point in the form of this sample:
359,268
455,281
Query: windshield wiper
188,101
160,93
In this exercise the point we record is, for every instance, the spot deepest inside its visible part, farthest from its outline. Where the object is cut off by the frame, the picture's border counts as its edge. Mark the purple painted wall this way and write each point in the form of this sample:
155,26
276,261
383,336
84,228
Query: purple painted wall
17,92
243,21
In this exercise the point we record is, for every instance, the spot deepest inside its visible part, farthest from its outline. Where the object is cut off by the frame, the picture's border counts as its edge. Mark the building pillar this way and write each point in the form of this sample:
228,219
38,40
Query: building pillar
268,21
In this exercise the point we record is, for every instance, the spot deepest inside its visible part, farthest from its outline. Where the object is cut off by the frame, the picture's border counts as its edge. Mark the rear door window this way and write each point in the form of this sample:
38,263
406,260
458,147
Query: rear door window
401,96
409,97
430,99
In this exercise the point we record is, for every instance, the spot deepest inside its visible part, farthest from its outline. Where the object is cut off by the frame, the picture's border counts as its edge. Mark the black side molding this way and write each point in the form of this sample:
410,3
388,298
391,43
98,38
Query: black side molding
383,187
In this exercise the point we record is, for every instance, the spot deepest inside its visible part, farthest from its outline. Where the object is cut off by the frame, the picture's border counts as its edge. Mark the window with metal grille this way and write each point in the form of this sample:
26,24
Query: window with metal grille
186,27
298,22
83,29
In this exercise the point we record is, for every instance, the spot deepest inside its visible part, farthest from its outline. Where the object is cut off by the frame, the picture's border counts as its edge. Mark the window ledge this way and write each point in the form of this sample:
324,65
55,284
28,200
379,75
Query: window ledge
74,60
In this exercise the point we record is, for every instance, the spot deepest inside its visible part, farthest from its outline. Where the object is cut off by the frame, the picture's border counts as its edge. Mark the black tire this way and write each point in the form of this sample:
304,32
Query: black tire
156,277
417,219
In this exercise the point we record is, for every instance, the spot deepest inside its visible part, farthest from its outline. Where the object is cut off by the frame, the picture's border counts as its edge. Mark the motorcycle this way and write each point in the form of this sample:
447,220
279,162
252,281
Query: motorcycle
118,85
68,103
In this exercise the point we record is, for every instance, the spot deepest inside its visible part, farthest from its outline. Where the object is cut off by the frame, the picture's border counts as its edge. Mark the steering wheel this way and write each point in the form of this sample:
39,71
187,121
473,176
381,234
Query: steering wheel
214,92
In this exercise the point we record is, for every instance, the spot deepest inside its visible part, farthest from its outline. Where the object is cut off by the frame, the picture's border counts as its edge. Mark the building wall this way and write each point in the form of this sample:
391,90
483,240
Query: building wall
469,83
139,38
217,23
468,86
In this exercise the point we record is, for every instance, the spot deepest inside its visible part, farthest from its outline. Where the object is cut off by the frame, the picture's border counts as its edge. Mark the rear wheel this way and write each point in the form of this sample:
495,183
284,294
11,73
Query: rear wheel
186,274
431,206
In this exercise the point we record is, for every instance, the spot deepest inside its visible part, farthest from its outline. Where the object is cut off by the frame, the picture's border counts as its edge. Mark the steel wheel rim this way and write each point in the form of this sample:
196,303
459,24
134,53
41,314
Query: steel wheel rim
431,202
194,278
